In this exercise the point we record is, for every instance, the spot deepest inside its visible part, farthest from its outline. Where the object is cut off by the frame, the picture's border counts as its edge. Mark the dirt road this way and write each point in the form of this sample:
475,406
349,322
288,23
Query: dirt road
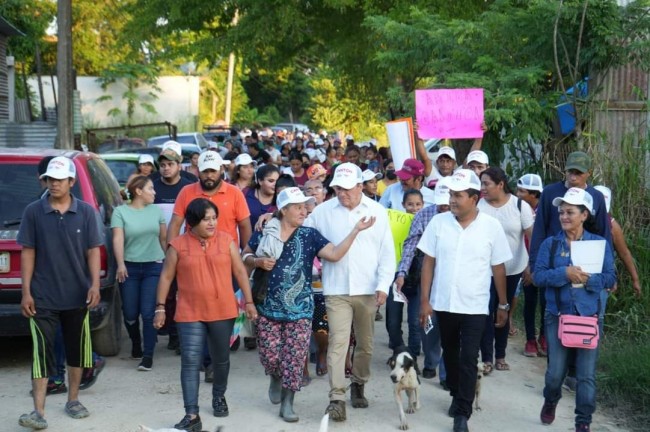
123,397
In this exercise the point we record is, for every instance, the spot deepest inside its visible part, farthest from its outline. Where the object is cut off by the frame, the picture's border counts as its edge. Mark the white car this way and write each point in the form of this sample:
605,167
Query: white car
182,138
432,146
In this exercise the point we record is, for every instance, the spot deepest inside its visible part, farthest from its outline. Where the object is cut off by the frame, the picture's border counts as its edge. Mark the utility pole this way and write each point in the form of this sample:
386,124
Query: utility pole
64,73
231,75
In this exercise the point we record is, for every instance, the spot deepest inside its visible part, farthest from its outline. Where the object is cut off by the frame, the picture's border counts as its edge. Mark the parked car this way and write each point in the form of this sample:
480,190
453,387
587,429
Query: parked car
121,144
291,127
182,138
19,186
122,165
432,146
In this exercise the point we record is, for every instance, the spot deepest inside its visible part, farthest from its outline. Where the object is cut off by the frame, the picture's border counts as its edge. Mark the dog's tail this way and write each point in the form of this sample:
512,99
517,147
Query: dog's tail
324,423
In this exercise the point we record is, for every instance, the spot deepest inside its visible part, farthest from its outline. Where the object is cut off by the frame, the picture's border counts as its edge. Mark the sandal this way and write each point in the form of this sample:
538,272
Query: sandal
306,380
487,368
321,368
502,366
75,410
513,331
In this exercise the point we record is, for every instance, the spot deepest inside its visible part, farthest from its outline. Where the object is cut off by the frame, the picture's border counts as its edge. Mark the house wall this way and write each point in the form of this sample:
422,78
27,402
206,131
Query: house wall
178,100
4,86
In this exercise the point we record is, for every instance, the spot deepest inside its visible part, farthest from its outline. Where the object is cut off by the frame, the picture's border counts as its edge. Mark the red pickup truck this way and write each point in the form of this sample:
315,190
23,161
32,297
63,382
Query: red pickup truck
19,186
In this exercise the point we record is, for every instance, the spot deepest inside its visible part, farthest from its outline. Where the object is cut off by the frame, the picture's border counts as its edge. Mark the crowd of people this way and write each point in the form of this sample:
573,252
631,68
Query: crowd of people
294,231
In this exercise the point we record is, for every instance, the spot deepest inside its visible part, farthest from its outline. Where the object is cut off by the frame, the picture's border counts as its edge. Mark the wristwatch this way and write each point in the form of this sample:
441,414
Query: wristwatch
505,307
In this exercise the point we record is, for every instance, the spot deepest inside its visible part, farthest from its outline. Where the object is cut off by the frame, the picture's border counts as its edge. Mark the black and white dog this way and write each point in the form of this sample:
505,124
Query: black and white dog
404,374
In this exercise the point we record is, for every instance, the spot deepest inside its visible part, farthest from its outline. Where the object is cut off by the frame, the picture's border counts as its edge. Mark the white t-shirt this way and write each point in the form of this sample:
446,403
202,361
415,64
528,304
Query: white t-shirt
394,194
435,174
514,222
464,260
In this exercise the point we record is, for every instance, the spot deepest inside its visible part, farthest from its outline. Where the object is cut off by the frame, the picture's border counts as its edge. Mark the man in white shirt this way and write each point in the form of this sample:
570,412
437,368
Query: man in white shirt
463,248
355,285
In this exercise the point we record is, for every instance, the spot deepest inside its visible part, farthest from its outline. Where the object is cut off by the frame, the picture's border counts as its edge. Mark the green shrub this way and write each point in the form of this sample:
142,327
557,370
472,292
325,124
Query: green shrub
624,381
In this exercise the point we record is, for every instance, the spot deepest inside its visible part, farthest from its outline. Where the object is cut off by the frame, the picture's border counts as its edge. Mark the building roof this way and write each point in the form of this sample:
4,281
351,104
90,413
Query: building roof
7,29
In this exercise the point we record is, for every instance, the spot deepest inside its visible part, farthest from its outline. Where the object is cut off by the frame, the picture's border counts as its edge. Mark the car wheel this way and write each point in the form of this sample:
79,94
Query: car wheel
106,340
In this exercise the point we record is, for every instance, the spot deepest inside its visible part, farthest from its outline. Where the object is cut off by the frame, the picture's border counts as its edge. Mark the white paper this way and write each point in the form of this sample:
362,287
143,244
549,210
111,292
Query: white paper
399,138
588,255
398,296
428,326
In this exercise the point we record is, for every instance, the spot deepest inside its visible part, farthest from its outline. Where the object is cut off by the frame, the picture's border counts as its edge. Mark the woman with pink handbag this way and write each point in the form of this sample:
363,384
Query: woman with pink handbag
572,306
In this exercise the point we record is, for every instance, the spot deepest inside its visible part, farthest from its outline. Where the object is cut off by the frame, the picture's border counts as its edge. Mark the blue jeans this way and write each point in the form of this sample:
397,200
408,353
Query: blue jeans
585,362
432,350
394,313
193,336
139,299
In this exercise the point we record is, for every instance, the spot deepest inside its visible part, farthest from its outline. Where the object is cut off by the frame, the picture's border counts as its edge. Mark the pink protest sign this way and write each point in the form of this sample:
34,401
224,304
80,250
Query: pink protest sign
448,113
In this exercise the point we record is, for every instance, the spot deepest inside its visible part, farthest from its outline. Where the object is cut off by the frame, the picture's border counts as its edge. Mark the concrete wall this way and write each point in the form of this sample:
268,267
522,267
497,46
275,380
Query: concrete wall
178,100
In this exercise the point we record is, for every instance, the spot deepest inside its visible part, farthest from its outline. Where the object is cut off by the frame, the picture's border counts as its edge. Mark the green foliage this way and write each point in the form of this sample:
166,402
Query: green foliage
623,379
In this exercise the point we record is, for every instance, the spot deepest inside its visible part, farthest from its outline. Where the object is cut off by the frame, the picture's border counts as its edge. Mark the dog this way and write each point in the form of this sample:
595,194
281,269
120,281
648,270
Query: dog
405,377
477,392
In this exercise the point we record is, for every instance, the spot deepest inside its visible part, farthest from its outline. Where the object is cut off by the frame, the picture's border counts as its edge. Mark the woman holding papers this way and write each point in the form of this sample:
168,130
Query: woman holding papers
572,291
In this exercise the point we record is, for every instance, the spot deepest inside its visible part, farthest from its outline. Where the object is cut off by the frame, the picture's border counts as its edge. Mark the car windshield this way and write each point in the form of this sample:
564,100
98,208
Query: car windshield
19,186
122,169
186,139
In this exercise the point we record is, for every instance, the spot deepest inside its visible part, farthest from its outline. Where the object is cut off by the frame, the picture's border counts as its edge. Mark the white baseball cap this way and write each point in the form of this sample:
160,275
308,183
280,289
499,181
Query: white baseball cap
244,159
292,195
349,137
60,168
145,158
462,180
211,160
478,156
446,151
576,196
369,175
530,182
347,176
441,192
607,194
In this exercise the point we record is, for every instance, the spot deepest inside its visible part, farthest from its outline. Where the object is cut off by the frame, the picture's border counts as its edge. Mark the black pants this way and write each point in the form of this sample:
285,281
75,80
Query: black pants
460,337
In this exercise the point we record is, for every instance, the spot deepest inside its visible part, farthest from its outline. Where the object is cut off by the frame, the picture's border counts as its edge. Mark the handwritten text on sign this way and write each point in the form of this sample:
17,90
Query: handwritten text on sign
454,113
400,224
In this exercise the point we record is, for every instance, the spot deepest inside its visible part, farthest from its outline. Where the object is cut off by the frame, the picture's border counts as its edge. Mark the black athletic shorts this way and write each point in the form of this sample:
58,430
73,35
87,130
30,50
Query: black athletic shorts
75,324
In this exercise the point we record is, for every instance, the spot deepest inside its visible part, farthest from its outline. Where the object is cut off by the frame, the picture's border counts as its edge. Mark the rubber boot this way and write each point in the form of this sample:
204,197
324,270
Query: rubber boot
286,409
358,399
134,334
275,389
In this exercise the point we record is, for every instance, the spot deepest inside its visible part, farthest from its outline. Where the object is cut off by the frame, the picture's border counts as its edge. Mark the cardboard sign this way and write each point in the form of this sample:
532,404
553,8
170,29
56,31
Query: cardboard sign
401,140
400,224
456,113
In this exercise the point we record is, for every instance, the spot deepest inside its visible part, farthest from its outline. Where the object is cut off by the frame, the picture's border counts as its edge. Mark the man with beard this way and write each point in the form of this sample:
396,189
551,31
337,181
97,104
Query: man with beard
167,186
234,216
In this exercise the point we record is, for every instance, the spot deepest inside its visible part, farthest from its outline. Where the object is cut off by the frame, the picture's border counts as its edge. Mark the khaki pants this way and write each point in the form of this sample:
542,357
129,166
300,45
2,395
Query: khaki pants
342,312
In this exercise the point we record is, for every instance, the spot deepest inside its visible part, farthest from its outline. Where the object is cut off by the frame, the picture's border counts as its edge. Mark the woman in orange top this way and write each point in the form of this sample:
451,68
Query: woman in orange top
204,261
